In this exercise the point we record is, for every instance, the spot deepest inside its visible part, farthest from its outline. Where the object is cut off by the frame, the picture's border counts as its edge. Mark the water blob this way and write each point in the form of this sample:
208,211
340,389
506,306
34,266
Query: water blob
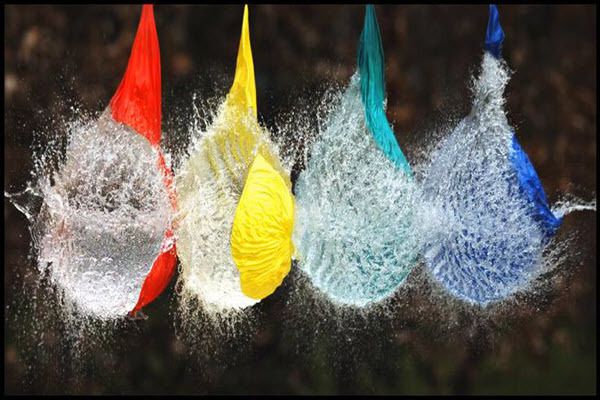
489,216
102,232
355,197
236,207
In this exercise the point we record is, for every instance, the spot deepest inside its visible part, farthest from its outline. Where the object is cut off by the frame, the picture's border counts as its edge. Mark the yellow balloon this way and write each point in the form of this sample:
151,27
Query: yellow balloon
261,238
237,135
243,91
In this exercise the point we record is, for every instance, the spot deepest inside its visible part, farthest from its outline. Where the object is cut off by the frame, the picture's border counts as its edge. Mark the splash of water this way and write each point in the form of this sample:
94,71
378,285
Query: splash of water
210,183
488,221
570,203
103,218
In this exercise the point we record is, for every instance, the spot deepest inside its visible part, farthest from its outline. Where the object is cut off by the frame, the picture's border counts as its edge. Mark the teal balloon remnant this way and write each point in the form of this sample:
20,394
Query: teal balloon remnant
372,88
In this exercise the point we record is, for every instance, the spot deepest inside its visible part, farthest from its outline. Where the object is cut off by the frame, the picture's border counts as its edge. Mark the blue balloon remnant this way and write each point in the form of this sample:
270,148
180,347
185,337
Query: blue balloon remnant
530,185
372,86
494,34
529,182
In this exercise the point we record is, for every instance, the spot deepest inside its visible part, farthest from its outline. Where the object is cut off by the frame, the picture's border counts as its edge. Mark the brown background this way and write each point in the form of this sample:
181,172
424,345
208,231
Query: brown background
58,57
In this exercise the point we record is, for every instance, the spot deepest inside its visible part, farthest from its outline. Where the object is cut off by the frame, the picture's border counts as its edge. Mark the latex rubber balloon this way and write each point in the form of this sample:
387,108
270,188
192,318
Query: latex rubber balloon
137,103
261,238
106,238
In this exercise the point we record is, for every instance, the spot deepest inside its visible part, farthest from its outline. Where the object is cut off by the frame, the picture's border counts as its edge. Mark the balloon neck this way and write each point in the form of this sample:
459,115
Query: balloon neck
494,34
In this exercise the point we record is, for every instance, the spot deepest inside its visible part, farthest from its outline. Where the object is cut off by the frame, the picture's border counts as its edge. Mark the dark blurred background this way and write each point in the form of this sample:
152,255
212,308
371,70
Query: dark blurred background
62,57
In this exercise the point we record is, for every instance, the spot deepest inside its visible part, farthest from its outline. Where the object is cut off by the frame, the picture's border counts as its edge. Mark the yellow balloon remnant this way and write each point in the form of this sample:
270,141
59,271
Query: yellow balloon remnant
261,238
243,91
237,135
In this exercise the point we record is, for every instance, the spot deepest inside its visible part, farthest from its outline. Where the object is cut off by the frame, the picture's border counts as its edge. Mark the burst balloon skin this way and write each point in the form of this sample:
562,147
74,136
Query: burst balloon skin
372,89
137,104
529,182
220,239
494,35
497,249
531,186
261,238
242,94
354,199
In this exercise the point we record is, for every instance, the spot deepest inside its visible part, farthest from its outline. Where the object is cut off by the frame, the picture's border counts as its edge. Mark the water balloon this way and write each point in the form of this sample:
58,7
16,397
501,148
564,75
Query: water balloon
211,183
103,231
494,219
354,199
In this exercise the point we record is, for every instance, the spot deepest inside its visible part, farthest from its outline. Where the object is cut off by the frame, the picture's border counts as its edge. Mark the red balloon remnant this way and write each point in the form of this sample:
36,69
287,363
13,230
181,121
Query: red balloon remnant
137,104
163,268
159,276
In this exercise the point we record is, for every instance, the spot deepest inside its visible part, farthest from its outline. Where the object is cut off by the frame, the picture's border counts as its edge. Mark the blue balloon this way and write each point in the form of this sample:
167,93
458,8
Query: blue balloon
494,35
531,187
529,182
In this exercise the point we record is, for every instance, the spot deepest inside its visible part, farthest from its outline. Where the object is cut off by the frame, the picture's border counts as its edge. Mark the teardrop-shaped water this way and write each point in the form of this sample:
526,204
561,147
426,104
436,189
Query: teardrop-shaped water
209,185
103,218
354,211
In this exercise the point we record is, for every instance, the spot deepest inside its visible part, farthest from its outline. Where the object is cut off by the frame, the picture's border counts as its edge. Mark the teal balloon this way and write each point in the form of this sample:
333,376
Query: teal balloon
372,87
